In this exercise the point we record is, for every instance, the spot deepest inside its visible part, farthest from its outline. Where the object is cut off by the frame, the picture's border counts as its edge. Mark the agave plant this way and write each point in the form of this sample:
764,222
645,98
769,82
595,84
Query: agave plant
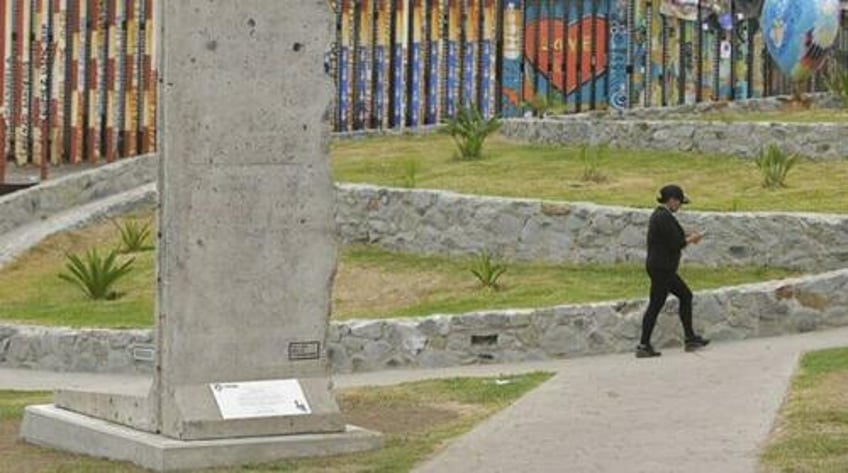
95,274
774,165
488,272
135,236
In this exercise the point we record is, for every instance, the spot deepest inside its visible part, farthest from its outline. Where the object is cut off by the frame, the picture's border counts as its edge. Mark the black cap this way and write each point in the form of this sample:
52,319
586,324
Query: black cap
672,191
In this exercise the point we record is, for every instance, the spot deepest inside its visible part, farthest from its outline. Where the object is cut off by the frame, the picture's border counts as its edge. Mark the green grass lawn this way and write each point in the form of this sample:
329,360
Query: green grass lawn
517,169
811,434
370,283
416,419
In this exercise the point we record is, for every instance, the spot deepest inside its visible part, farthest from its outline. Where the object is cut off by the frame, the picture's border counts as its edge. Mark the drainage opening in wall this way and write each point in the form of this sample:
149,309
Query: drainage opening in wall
484,340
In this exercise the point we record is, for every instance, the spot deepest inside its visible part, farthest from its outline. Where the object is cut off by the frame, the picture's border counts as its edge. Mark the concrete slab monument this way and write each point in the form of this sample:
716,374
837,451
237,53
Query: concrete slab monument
247,253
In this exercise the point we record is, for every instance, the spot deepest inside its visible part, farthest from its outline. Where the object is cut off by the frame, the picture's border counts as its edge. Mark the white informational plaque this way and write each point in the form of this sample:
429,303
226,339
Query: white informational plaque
282,397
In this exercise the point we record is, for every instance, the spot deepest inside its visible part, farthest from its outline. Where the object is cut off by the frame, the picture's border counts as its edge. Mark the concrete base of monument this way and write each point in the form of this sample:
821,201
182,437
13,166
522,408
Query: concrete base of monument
50,426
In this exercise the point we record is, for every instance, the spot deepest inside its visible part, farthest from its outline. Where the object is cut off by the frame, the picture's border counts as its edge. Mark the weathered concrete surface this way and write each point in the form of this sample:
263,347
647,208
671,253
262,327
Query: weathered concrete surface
58,428
246,247
700,413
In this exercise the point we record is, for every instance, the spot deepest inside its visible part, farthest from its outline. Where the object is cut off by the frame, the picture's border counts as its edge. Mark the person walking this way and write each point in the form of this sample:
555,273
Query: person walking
666,240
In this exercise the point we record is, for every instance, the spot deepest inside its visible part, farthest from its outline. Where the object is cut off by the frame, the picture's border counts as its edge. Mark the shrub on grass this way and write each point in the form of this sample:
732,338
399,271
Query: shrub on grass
774,165
95,274
469,130
488,272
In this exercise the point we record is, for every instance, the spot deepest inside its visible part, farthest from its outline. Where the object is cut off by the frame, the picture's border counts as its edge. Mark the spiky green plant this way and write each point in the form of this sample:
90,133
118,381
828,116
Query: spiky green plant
410,173
469,130
135,236
487,271
94,274
774,165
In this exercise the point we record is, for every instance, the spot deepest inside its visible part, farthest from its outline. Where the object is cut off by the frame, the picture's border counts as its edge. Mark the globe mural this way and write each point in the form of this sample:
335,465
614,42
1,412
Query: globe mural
798,33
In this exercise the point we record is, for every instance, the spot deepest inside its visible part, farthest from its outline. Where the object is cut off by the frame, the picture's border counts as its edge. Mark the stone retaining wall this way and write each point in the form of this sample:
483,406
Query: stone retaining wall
436,222
758,310
76,189
755,310
80,350
820,141
820,101
16,242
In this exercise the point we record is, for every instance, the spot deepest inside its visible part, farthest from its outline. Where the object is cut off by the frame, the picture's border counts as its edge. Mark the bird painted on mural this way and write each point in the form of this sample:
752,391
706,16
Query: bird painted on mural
820,38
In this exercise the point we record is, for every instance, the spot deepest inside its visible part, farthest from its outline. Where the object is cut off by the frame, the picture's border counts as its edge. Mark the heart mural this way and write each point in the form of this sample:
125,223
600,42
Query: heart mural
552,50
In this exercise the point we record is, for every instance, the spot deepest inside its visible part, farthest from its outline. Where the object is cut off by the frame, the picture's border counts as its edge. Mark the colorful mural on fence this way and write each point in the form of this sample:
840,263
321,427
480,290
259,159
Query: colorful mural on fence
799,33
618,59
434,57
511,93
687,55
78,80
565,52
424,60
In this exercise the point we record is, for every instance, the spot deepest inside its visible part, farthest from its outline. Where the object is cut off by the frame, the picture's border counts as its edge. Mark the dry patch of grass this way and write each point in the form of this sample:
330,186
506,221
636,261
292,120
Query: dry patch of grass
811,434
416,418
363,289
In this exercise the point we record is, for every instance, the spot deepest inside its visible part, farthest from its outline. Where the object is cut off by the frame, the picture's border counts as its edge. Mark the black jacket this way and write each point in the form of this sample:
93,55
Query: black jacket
666,240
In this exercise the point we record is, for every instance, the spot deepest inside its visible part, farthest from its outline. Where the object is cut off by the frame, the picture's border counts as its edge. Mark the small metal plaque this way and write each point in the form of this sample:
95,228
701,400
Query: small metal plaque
144,353
299,351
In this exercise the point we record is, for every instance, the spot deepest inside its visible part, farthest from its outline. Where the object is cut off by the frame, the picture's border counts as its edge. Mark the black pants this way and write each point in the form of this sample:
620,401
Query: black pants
663,283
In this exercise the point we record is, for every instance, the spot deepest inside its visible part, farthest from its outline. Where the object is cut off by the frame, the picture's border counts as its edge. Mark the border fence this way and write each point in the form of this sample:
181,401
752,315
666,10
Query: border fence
404,63
78,78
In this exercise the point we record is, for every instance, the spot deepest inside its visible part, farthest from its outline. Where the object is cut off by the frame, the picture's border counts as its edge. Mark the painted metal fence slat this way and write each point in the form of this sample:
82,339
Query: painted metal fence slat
5,67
